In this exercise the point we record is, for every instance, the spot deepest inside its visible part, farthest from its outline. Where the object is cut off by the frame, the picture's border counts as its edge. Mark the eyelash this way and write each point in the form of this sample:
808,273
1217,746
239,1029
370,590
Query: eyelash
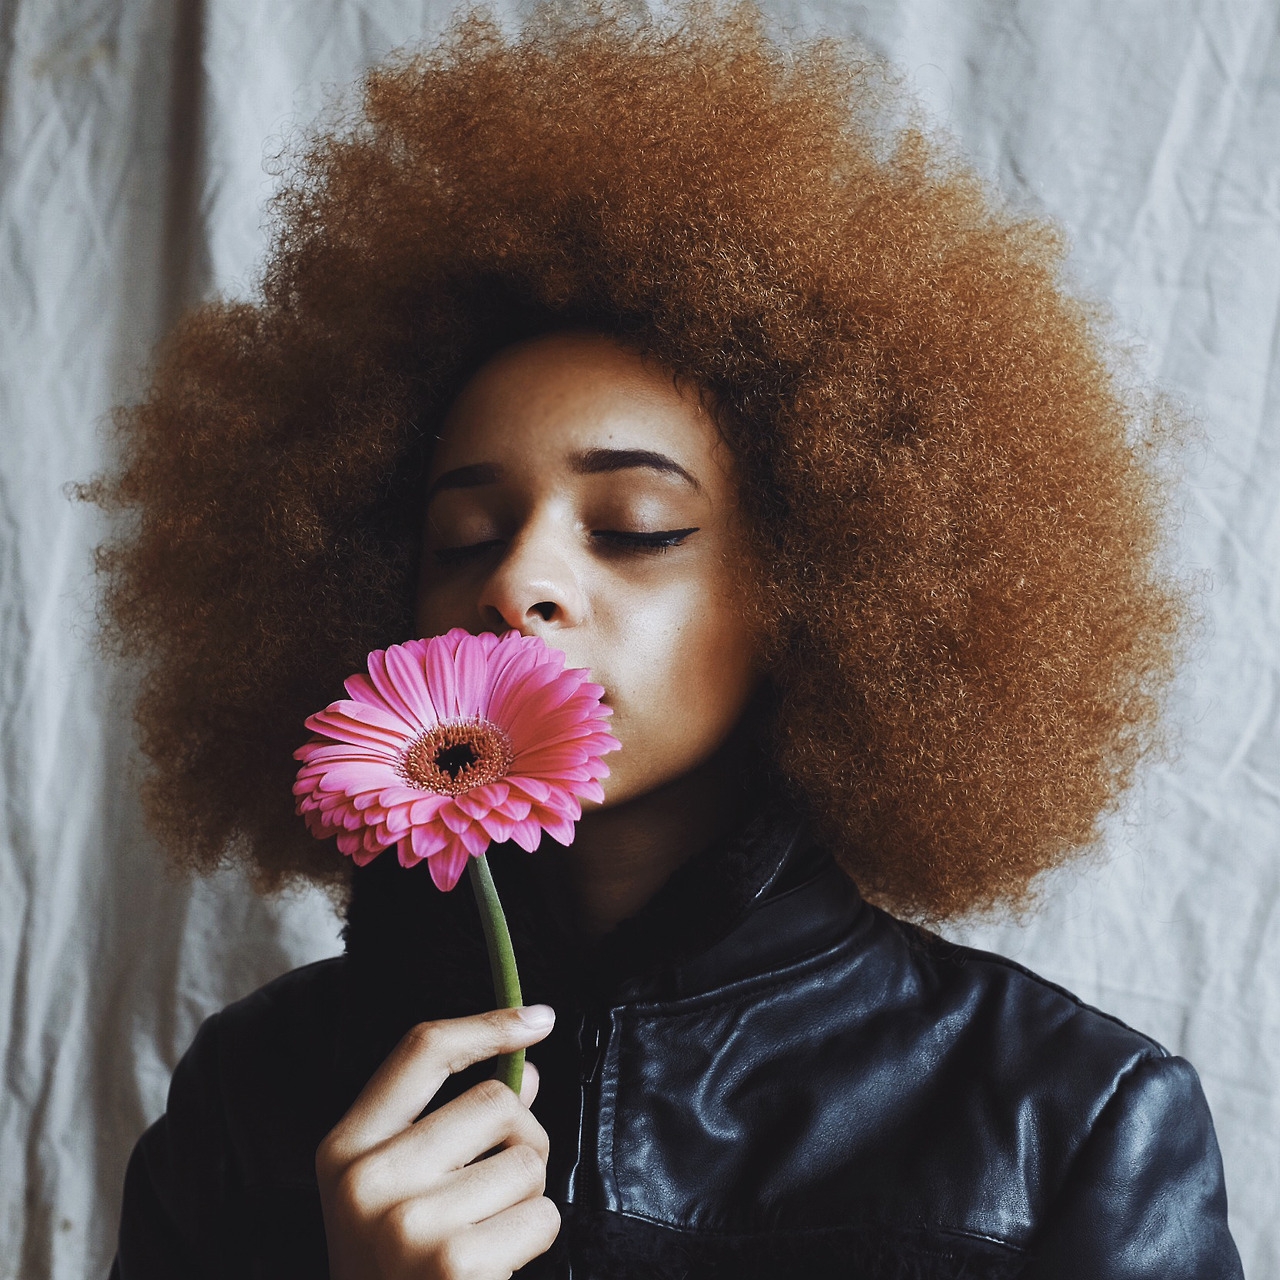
645,543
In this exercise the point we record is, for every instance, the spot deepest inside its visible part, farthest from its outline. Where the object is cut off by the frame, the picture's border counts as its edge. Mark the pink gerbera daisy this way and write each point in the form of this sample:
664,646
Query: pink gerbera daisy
453,742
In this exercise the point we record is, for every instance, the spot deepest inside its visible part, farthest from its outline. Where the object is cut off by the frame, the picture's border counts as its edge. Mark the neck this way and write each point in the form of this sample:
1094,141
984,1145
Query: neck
622,855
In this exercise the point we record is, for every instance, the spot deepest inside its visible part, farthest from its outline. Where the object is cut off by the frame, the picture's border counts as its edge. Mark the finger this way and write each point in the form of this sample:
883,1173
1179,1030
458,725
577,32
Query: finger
489,1186
422,1061
469,1196
423,1157
529,1085
505,1242
487,1117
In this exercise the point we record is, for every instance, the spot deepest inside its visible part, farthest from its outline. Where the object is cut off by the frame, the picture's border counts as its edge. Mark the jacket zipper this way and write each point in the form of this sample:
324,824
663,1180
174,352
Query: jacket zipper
591,1049
591,1040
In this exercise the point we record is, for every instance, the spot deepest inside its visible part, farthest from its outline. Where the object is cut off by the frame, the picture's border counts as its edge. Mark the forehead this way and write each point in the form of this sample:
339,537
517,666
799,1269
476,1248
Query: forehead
545,401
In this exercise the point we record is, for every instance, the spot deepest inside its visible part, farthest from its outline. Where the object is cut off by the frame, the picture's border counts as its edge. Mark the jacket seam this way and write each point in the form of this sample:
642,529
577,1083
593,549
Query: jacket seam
1129,1071
756,982
704,1233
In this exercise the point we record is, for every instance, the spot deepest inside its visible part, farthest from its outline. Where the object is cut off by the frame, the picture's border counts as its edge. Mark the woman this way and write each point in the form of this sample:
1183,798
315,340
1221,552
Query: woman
682,352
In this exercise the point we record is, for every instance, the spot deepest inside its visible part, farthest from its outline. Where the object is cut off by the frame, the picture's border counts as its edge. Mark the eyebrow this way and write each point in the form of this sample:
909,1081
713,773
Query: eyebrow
592,462
588,462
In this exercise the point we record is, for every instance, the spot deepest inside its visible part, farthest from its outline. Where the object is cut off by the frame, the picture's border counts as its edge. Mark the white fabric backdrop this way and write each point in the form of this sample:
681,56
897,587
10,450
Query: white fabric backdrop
132,182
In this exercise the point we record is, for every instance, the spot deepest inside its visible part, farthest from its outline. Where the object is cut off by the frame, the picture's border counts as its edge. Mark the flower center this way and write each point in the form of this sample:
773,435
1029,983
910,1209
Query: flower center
456,756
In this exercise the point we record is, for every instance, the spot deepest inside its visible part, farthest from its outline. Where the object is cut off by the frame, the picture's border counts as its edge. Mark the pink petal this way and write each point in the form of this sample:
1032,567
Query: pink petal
399,795
548,760
563,803
447,866
405,670
516,807
343,728
310,775
370,715
527,834
321,752
493,793
476,839
428,841
353,778
471,677
521,679
441,685
528,707
404,851
350,819
497,826
425,808
472,804
562,773
509,663
454,818
330,800
582,733
397,822
590,791
359,689
558,828
534,788
388,687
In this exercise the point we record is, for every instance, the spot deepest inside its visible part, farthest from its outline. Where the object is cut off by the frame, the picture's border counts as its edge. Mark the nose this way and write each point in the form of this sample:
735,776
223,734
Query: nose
533,589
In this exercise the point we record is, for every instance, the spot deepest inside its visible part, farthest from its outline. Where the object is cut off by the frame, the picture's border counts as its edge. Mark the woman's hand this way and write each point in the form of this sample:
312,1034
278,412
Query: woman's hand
417,1200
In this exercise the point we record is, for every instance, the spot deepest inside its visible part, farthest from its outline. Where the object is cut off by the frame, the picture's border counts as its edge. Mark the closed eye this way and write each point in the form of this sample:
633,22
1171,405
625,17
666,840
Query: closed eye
657,542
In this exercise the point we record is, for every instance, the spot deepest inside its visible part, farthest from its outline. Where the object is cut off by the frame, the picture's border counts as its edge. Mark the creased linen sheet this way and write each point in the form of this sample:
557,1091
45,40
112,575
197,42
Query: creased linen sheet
133,178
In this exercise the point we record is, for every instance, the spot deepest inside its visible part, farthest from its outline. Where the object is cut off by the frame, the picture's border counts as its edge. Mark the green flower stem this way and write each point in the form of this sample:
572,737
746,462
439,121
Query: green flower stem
502,960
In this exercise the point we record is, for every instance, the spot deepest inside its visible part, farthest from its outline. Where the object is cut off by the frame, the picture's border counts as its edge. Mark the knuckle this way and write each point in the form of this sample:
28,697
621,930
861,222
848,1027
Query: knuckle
544,1219
453,1260
401,1219
421,1038
530,1166
329,1160
534,1135
351,1188
494,1096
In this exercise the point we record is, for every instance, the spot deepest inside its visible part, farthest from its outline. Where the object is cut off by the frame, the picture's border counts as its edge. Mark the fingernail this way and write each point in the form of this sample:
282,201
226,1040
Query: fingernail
537,1015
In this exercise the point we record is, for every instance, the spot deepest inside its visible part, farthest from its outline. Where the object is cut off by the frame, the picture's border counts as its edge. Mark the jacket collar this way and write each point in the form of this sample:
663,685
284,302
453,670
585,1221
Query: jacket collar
763,895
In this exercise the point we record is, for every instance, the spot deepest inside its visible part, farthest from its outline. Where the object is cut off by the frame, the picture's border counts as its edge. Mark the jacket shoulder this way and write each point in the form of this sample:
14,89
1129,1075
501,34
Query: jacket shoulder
225,1175
274,1058
898,1080
1010,992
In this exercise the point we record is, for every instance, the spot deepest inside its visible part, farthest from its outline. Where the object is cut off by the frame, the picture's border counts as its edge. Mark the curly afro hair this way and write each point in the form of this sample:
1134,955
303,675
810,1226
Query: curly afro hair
943,473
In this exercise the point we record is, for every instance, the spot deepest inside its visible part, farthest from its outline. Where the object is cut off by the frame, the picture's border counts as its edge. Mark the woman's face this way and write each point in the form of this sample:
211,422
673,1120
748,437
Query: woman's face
578,495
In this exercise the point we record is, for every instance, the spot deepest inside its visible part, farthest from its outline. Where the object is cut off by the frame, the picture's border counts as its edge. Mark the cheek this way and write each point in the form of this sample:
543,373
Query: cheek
714,677
687,683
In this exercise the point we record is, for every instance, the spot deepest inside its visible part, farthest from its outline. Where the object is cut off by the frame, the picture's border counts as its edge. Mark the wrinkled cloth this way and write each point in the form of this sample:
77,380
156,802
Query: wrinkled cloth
759,1075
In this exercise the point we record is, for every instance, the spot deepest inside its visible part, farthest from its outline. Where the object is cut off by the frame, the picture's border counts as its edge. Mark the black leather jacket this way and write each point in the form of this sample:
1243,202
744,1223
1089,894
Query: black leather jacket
760,1075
